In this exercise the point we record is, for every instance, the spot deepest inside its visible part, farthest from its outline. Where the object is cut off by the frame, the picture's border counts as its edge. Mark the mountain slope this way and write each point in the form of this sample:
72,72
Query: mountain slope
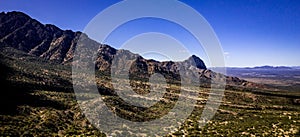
47,41
23,33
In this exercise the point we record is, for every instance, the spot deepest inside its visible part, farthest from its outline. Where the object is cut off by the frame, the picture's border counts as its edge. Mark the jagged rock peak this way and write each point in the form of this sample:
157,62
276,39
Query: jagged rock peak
195,61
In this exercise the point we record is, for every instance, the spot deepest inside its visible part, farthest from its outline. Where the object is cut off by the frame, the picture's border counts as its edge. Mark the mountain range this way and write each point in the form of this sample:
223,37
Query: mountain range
21,32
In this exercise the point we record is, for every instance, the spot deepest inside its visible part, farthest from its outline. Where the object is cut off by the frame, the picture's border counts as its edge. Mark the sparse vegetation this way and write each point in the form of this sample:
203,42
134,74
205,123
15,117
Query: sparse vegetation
50,109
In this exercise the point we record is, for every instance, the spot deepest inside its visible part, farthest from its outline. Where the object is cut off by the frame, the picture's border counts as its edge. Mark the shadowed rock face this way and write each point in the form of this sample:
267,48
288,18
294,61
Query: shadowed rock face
21,32
26,34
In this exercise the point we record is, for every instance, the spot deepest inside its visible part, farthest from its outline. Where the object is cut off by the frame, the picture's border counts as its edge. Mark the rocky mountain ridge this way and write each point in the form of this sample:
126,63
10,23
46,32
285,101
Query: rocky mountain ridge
23,33
48,41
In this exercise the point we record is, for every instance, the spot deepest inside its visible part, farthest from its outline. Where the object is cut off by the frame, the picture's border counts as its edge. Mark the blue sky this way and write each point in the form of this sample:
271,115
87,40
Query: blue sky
252,33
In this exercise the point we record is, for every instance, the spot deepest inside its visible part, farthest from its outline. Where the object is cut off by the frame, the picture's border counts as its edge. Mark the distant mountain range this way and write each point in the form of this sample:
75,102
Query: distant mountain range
272,67
266,67
19,31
